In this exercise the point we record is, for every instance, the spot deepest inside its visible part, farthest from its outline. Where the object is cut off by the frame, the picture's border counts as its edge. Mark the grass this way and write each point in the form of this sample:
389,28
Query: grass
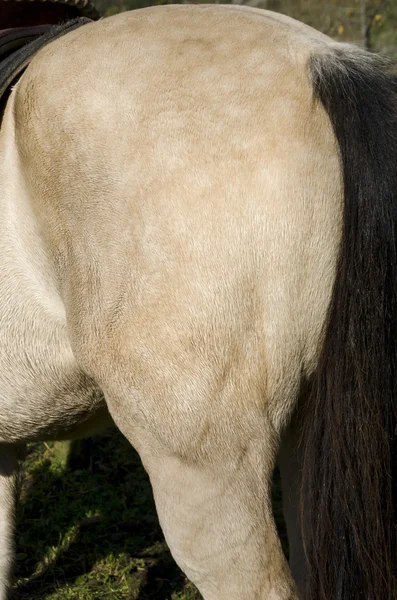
87,527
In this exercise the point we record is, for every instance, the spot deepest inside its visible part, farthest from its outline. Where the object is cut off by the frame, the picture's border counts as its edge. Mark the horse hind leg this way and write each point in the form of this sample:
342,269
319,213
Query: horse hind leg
9,479
210,466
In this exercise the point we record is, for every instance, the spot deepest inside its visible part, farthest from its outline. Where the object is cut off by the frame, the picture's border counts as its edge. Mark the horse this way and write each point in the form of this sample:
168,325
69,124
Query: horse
198,242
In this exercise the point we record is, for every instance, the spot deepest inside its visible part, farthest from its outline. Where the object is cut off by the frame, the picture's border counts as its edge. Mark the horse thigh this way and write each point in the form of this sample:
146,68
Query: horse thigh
8,492
213,497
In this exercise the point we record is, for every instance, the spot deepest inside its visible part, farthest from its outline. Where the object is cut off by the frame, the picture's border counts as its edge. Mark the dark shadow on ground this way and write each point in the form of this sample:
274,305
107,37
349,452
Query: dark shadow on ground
100,517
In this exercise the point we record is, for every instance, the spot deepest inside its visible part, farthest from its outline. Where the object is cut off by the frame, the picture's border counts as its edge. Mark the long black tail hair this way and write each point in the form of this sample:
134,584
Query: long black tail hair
349,491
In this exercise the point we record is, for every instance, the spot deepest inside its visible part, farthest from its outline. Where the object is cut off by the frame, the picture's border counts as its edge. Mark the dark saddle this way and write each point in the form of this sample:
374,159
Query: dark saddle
27,26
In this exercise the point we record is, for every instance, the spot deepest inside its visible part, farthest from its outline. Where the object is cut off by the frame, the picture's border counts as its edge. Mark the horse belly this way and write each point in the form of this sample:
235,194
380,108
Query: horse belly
43,392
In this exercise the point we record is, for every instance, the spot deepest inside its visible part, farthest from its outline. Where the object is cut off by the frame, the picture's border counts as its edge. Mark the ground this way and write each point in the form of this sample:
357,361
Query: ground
92,533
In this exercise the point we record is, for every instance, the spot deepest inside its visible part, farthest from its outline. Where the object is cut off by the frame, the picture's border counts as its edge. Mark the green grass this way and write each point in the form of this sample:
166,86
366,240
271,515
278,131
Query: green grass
87,527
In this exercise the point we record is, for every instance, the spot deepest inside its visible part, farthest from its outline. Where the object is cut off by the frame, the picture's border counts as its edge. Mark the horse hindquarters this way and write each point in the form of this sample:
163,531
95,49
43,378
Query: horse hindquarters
180,266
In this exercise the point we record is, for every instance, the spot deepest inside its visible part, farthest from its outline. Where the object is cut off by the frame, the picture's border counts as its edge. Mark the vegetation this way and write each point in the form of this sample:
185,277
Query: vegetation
87,527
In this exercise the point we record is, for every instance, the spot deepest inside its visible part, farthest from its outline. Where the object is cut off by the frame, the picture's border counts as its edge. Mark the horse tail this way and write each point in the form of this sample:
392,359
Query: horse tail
350,445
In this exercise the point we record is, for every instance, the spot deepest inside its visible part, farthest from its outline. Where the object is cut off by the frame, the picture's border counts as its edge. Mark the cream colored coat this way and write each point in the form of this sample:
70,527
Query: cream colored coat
170,220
